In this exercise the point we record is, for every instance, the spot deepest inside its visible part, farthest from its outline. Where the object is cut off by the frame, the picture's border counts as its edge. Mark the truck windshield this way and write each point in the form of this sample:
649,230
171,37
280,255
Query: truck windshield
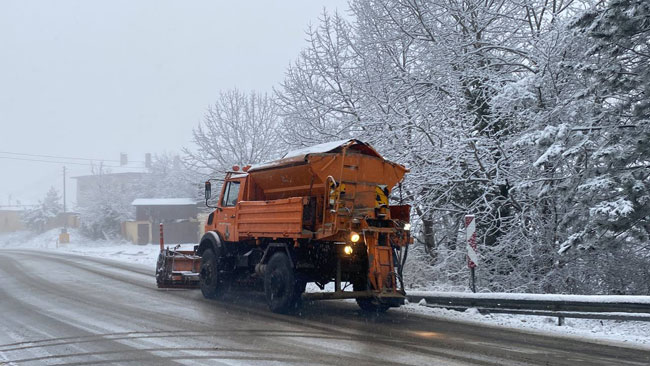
231,194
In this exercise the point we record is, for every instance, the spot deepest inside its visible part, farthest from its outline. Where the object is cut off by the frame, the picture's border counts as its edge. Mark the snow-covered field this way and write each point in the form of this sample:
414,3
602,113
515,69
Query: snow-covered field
630,333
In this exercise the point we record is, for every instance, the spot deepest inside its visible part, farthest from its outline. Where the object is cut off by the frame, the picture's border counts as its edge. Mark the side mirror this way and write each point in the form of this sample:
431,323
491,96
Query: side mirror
208,191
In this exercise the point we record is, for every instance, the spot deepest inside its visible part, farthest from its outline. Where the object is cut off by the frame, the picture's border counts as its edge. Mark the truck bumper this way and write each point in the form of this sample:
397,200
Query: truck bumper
389,298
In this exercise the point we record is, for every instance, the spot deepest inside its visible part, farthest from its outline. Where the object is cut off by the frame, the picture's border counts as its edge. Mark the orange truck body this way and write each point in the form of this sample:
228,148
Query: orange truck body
311,203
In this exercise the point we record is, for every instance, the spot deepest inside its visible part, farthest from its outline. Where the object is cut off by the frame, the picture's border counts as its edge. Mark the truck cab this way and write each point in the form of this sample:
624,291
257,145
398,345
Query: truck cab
225,215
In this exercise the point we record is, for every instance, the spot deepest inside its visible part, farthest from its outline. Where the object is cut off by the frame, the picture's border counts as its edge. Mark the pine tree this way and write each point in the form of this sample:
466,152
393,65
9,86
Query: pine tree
610,223
37,218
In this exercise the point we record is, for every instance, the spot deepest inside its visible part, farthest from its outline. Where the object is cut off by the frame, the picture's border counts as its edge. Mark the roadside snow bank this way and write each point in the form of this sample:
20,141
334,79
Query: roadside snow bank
597,299
119,250
634,334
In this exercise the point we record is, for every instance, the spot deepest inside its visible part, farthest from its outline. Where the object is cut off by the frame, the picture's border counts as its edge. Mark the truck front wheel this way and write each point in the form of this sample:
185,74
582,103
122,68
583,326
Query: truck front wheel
211,284
282,289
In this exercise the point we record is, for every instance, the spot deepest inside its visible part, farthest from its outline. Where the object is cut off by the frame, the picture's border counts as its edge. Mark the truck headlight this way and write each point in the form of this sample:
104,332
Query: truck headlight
347,249
354,237
407,227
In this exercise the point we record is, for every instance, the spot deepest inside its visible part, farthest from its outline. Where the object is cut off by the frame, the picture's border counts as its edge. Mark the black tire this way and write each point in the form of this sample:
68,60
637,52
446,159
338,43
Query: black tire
368,304
282,288
210,281
160,269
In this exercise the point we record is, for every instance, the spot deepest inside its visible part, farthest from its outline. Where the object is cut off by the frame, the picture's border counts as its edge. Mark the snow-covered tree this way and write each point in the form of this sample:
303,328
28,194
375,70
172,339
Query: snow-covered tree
37,218
417,80
170,177
608,227
110,199
318,99
500,110
108,204
238,128
581,178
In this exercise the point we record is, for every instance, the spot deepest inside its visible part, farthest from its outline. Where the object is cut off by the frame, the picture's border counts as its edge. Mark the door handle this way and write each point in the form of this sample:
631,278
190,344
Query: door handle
232,217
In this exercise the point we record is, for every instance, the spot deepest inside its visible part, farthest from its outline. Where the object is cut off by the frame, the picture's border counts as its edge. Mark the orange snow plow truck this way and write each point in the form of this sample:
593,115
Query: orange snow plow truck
320,214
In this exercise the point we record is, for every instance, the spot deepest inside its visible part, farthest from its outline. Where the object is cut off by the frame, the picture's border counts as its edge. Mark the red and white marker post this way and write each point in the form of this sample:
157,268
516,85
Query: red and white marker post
162,239
472,254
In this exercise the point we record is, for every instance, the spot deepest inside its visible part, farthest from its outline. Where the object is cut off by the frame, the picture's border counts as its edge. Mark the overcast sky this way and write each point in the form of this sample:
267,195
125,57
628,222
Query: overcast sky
91,79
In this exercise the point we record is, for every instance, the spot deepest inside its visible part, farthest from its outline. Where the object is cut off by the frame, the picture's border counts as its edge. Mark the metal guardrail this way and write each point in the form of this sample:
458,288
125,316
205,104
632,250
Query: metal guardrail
560,308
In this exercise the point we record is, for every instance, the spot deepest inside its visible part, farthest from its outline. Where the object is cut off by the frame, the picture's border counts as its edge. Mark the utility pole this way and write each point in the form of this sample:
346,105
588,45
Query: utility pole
64,236
64,210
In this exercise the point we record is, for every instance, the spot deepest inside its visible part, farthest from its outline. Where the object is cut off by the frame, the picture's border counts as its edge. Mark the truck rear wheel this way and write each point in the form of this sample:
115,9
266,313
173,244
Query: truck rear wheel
368,304
210,282
282,289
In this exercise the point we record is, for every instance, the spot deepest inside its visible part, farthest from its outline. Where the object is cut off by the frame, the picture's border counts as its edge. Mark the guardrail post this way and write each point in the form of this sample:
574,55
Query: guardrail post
560,321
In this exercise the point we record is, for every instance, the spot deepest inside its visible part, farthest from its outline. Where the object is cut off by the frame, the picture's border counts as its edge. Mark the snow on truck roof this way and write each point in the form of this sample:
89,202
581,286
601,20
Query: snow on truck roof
320,148
300,154
163,202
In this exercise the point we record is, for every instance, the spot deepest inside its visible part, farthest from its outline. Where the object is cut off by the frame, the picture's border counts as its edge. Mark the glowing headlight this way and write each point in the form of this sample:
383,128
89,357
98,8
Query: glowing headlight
407,226
347,250
354,237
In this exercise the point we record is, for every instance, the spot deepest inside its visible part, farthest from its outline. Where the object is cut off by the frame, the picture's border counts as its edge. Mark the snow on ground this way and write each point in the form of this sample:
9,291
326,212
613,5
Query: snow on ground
634,334
627,333
119,250
600,299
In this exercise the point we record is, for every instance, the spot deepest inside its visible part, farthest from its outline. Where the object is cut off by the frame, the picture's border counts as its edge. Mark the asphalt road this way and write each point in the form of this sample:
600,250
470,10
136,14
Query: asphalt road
71,310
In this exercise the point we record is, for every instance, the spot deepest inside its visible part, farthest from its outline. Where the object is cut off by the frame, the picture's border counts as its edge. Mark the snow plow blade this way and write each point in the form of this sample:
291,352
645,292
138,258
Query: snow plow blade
178,269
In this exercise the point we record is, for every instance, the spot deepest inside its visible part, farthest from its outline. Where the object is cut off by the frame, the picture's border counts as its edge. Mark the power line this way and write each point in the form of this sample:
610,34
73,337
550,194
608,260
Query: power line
55,157
68,162
44,161
62,157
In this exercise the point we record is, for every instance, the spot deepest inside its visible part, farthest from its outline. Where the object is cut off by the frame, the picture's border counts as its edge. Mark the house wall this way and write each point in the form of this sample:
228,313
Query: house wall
130,231
178,232
180,224
10,221
160,213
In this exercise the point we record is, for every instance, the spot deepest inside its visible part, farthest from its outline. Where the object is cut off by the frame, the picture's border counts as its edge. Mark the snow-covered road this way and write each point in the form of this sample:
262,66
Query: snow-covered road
60,308
105,291
630,333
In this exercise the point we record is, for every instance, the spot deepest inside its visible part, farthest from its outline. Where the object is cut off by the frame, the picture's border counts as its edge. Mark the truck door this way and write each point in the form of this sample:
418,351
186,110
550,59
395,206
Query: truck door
227,210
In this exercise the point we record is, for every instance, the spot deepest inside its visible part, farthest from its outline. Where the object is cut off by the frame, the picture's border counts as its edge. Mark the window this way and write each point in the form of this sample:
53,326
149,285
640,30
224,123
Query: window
231,194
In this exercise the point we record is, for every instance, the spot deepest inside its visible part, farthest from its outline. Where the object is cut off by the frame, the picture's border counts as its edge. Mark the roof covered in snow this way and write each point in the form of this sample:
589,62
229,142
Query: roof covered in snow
12,208
133,168
163,202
